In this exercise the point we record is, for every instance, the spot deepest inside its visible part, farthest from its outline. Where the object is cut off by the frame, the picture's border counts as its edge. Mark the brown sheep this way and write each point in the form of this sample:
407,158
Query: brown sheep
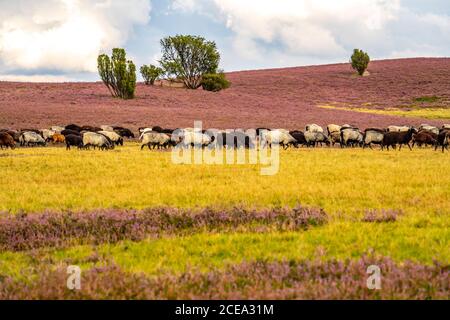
6,141
58,138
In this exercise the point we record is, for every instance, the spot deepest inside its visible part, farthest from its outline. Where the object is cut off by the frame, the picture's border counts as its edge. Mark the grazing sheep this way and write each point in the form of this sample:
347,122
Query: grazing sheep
299,138
397,129
314,128
314,138
6,141
391,139
351,137
57,129
90,129
14,134
124,132
107,128
143,131
280,137
429,128
446,126
114,137
373,136
74,140
47,134
73,127
155,139
423,137
58,138
195,139
443,139
333,128
97,140
67,132
29,138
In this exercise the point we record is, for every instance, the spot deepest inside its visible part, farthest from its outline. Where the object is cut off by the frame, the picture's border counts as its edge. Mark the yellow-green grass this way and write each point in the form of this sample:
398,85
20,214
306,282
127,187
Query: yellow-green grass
422,240
346,181
425,113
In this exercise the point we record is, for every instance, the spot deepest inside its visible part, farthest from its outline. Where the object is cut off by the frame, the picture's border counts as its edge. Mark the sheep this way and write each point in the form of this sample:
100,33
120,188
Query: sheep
443,139
446,126
143,131
155,139
280,137
114,137
96,140
107,128
73,127
14,134
314,138
47,134
195,139
58,138
351,137
397,129
334,132
6,141
429,128
333,128
391,139
372,136
74,140
299,138
90,129
314,128
67,132
123,132
423,137
57,129
29,138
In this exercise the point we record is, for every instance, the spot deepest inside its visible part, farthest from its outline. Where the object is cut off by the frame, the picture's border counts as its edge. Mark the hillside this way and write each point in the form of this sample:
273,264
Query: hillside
287,98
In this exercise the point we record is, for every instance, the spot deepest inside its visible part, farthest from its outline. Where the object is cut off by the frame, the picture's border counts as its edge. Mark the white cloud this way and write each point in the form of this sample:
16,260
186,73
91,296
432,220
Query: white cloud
299,32
65,35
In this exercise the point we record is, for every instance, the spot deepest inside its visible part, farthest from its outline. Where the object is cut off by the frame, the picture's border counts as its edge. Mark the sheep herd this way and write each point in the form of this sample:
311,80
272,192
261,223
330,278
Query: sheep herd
108,137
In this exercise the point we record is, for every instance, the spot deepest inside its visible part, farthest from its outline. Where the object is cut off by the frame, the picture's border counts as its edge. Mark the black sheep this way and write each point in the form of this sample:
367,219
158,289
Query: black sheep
74,140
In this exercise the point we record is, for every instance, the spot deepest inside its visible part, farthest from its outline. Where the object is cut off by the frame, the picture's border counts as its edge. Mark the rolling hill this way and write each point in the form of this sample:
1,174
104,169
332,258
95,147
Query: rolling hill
288,98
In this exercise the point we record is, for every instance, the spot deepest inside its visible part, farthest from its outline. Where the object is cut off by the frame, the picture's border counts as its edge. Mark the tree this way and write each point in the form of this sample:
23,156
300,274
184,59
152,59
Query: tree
151,73
360,61
214,82
188,58
118,74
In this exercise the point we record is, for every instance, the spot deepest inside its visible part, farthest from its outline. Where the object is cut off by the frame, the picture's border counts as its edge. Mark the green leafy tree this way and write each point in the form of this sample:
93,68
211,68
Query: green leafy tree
188,58
118,74
215,82
360,61
150,73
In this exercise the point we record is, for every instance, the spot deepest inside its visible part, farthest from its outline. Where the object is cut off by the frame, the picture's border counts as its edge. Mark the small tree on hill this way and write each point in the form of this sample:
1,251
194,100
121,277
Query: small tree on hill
150,73
215,82
188,58
118,74
360,61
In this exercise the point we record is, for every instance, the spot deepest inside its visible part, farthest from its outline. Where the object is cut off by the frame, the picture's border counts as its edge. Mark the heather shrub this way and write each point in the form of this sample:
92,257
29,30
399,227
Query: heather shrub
250,280
360,61
383,215
215,82
30,231
150,73
118,74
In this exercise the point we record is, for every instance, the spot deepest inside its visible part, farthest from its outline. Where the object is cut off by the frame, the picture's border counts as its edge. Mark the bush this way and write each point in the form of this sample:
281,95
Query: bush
214,82
118,74
360,61
188,58
151,73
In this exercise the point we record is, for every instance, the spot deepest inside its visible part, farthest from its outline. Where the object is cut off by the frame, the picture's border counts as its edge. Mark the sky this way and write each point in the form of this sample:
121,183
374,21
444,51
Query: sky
59,40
